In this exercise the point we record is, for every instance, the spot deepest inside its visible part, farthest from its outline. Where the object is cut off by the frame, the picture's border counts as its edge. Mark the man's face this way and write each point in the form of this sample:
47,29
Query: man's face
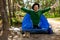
36,8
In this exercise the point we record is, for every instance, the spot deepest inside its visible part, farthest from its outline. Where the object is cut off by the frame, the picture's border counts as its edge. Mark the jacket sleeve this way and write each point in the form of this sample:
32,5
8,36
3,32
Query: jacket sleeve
26,10
46,9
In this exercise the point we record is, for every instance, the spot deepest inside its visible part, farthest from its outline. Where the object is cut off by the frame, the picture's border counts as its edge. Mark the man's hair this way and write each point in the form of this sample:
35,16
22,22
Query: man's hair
34,5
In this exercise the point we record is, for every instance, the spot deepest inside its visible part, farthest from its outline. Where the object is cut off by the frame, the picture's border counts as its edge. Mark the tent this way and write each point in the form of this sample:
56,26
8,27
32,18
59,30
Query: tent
27,25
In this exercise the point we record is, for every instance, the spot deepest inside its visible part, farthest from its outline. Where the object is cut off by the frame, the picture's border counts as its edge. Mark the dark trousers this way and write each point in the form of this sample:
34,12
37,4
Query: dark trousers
35,26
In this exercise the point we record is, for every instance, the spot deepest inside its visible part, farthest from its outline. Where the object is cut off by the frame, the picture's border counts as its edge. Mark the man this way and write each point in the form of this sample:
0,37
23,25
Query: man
36,13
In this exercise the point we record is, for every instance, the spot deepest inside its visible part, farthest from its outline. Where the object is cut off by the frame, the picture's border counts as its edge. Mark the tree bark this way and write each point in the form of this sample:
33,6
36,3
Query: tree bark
10,14
14,8
5,22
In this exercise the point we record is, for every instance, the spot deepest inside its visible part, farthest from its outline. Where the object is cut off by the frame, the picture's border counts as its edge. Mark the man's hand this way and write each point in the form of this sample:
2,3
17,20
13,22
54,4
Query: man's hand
55,5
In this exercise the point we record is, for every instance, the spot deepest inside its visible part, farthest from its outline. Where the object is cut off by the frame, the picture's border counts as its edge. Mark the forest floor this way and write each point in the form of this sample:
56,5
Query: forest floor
55,24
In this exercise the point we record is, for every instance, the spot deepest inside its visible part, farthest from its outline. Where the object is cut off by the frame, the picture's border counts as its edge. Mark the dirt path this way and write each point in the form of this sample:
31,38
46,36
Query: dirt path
55,23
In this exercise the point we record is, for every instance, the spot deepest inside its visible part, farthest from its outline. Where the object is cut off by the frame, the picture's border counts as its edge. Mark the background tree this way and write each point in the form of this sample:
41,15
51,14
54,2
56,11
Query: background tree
10,12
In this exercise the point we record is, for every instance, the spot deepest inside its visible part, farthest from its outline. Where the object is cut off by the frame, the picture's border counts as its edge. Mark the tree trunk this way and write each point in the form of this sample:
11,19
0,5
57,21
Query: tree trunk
13,8
59,7
6,25
10,14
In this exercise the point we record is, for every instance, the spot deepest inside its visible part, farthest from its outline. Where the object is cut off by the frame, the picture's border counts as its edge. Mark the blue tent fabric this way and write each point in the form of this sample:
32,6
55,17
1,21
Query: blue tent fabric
27,25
